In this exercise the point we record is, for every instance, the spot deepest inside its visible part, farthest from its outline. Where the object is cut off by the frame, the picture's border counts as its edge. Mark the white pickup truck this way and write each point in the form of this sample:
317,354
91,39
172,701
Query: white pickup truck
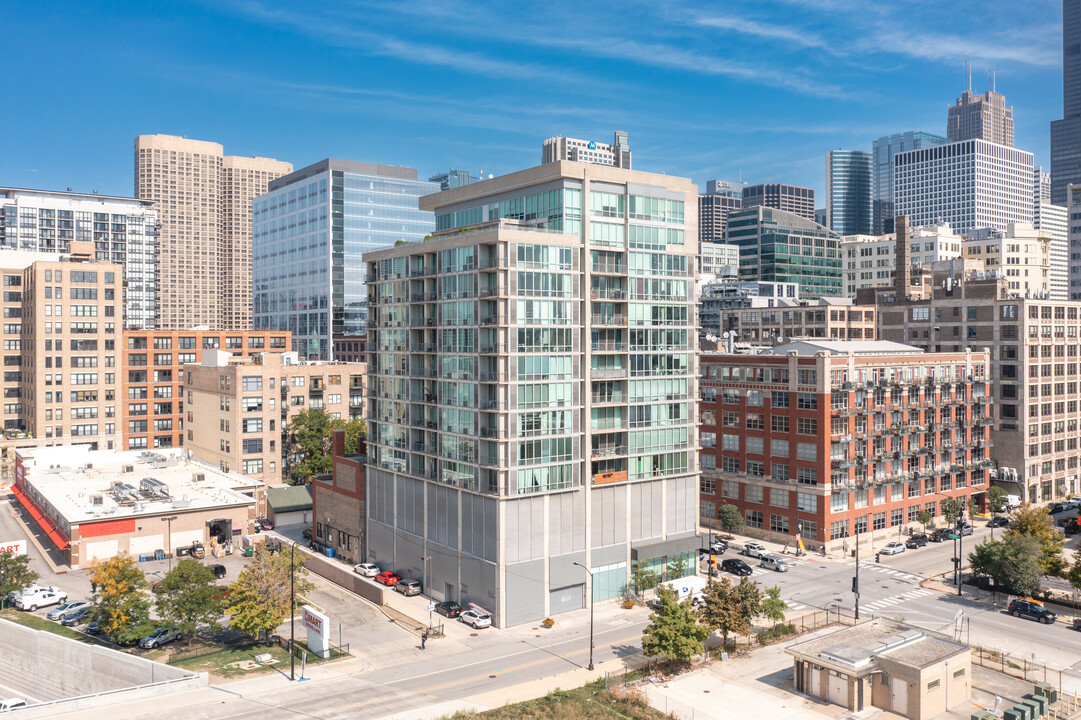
42,597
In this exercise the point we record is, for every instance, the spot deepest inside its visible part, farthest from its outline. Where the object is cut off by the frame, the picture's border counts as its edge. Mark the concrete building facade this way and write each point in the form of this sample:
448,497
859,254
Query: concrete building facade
980,117
719,201
1020,252
152,375
123,231
779,196
618,154
532,393
967,184
203,198
827,318
312,228
883,149
829,439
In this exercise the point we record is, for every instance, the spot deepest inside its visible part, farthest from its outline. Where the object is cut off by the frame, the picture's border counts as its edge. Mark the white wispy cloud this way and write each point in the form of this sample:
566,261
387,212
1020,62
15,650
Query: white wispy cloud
746,26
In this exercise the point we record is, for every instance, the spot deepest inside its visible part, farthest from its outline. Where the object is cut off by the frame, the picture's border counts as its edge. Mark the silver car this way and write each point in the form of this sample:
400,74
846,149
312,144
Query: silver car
476,619
68,608
773,563
893,548
753,549
159,637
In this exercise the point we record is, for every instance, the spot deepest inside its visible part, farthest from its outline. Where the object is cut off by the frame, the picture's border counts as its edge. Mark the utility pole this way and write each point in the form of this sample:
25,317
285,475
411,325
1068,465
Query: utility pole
856,580
292,612
169,539
590,573
960,542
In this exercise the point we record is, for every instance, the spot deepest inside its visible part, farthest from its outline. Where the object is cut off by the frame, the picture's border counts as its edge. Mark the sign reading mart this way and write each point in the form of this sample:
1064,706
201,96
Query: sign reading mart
15,547
318,627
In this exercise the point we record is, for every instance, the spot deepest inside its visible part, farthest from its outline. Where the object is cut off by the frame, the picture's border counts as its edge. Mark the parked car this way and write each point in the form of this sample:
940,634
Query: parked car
219,571
939,535
387,577
917,540
718,547
773,563
263,524
408,587
893,548
368,570
159,637
449,608
476,619
307,533
1076,624
1071,528
78,617
1057,507
12,704
61,611
998,521
736,567
967,529
753,549
41,598
93,627
1031,609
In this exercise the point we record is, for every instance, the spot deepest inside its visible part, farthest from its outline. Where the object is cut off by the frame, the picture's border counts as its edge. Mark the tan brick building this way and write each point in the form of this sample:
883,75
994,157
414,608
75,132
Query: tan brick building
238,408
204,246
152,377
829,318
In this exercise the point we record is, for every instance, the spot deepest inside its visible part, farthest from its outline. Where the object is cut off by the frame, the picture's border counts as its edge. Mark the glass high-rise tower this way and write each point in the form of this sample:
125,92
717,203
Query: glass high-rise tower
1066,133
849,205
883,150
309,232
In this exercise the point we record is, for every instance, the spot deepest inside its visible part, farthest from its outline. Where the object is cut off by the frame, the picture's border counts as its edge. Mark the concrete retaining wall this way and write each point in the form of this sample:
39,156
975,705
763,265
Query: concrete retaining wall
343,576
48,667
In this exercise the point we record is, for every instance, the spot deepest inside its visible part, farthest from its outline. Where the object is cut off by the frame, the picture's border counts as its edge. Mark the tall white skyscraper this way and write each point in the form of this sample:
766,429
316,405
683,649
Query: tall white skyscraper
1055,219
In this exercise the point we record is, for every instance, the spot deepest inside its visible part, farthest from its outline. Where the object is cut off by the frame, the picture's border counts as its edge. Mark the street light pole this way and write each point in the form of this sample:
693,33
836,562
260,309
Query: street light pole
169,539
292,612
590,573
427,559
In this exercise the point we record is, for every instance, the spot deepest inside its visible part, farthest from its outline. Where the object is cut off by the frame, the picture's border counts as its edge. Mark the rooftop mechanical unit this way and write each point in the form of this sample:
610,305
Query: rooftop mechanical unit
153,488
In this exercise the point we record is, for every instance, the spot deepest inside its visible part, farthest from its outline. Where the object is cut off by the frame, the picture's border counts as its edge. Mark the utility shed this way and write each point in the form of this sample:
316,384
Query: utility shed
289,505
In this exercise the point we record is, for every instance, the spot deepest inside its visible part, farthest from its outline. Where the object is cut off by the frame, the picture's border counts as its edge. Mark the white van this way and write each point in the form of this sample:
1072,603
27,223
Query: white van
1013,501
688,587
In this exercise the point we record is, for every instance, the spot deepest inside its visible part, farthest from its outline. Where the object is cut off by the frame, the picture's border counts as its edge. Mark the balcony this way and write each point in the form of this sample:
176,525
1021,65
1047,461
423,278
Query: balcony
609,451
606,399
493,292
608,346
491,461
491,432
608,373
493,349
494,320
491,263
491,377
613,320
609,294
604,268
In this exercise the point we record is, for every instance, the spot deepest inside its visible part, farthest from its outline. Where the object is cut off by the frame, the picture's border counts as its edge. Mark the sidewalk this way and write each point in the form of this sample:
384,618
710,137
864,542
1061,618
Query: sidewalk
736,541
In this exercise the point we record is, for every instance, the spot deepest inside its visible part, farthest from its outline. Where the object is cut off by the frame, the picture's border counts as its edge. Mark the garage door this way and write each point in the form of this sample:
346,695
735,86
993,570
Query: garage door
180,539
100,550
145,545
565,599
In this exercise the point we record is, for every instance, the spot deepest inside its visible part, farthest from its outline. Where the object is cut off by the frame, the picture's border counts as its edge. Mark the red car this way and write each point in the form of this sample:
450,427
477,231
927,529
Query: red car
388,578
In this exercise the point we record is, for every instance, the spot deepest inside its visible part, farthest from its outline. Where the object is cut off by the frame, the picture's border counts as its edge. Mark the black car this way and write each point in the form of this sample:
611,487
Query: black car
917,540
1030,609
998,522
219,571
449,608
1059,507
939,535
1071,528
736,567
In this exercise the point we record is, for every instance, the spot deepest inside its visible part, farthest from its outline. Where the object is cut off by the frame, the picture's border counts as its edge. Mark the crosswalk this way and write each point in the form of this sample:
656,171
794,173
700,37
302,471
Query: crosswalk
885,570
897,599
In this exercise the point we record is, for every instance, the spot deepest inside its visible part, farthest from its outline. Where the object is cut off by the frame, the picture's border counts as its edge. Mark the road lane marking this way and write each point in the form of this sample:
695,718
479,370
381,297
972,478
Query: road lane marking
466,680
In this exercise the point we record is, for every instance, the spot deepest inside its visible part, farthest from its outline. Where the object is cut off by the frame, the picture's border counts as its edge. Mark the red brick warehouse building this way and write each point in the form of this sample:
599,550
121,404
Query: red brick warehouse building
832,438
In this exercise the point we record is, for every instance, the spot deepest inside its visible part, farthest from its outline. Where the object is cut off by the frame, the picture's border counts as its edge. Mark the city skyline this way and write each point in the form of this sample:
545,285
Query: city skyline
402,85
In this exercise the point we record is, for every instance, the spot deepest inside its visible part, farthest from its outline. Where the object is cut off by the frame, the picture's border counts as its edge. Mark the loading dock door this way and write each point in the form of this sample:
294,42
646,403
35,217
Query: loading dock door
838,690
565,599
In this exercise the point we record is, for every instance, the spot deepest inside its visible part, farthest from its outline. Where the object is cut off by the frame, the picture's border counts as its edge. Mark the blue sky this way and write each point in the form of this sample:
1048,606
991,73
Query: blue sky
762,87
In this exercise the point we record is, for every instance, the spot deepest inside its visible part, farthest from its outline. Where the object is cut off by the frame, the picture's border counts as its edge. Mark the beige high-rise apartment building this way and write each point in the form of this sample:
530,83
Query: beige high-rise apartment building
204,246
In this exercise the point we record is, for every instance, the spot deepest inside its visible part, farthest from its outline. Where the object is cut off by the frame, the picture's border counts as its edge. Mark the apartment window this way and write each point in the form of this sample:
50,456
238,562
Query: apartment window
806,451
838,529
252,383
807,502
807,426
807,476
253,467
730,489
754,518
806,401
778,423
753,493
778,523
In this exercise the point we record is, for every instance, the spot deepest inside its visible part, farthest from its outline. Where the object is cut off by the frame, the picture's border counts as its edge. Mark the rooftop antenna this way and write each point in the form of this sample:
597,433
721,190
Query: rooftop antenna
994,78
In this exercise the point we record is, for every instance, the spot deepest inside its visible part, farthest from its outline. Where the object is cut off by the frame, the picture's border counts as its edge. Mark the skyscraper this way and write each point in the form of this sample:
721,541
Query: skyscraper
719,201
310,231
1066,133
883,150
618,154
453,178
968,184
790,198
533,386
779,246
204,247
849,196
980,117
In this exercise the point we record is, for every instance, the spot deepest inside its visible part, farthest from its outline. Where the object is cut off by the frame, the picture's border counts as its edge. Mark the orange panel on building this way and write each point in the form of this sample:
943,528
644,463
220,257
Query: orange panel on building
609,477
109,527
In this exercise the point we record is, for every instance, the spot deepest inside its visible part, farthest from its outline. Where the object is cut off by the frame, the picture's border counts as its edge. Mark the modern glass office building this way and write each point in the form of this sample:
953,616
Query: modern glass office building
310,231
533,390
849,177
779,246
883,151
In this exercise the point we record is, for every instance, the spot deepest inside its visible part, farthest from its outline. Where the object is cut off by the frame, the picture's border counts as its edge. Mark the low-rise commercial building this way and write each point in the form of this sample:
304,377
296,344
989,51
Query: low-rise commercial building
96,504
830,318
827,440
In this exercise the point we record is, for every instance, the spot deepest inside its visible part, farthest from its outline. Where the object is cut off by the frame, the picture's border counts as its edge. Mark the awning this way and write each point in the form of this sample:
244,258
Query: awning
33,510
58,538
689,543
46,524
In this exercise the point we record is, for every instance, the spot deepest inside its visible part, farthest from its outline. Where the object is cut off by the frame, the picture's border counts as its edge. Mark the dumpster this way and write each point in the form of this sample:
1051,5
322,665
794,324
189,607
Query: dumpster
248,552
330,552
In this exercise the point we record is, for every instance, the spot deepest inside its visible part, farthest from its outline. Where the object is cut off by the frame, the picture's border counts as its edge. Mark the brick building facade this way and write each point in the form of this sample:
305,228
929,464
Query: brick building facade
338,504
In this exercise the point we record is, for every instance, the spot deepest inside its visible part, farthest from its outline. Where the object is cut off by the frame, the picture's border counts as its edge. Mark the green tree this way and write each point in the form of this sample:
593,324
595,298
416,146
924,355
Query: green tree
996,500
15,574
259,599
677,567
310,437
924,517
1073,575
773,607
642,579
1013,562
730,608
121,606
951,510
673,631
730,517
1036,522
187,597
748,599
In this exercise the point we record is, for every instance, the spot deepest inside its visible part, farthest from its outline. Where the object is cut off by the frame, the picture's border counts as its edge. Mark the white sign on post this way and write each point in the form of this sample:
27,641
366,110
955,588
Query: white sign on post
318,626
15,547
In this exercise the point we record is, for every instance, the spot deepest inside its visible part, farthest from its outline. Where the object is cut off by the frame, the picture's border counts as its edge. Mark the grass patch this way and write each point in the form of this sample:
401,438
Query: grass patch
217,662
39,623
589,702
